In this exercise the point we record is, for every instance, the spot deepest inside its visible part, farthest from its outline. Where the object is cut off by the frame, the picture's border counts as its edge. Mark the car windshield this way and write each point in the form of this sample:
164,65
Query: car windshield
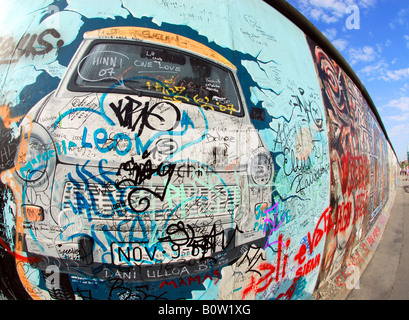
157,71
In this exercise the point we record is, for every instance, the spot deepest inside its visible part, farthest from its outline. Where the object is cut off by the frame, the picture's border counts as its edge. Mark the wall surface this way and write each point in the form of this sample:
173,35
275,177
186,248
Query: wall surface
182,150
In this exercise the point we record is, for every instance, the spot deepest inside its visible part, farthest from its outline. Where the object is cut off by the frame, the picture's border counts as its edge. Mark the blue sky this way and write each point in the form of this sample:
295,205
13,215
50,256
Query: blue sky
375,41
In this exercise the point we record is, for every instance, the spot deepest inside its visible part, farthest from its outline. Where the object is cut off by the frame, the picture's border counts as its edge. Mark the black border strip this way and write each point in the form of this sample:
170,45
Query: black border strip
312,32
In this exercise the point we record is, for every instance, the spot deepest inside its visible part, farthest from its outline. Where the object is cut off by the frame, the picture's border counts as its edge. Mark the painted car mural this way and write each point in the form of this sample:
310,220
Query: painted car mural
165,187
148,154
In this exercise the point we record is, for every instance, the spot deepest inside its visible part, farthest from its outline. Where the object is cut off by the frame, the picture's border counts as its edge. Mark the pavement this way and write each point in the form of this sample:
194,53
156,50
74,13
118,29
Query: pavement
387,274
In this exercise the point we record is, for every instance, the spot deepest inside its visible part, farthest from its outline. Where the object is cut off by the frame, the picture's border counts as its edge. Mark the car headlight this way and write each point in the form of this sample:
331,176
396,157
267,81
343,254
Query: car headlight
36,154
33,167
261,168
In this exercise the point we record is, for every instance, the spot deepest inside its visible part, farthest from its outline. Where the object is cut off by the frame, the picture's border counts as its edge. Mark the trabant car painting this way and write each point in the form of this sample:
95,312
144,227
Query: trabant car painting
144,158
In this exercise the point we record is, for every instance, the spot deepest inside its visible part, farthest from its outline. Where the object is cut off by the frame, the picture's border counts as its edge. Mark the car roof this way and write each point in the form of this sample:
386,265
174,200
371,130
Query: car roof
161,37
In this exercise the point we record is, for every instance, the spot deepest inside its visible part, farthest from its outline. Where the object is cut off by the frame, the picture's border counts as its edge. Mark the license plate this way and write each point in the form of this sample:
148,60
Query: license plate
125,253
132,254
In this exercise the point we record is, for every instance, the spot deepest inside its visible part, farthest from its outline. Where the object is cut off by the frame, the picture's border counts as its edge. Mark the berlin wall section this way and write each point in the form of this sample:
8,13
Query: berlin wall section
179,151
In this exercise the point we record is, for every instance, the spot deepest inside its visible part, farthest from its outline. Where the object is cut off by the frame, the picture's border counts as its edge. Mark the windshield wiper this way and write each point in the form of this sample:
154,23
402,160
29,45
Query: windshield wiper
121,83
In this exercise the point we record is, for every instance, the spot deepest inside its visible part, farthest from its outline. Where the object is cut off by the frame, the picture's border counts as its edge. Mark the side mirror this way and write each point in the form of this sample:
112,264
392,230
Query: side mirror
257,114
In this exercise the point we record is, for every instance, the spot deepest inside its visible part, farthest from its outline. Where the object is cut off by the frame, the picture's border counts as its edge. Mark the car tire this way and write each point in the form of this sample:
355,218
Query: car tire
62,290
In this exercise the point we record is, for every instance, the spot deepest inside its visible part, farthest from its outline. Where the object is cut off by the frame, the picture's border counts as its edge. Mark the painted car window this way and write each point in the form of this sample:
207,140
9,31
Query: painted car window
157,71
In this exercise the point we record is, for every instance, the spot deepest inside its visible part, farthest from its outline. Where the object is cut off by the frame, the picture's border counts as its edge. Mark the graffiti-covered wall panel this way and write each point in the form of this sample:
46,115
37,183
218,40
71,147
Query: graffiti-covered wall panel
358,161
179,150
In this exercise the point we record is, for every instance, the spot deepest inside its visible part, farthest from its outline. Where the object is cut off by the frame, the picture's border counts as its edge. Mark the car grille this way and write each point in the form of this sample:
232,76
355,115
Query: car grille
180,201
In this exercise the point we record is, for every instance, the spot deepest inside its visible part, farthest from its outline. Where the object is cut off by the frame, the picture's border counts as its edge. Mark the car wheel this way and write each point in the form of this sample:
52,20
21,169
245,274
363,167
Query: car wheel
59,290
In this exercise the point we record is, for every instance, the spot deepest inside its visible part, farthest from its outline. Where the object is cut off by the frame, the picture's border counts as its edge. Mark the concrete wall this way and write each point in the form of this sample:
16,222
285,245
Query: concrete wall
276,187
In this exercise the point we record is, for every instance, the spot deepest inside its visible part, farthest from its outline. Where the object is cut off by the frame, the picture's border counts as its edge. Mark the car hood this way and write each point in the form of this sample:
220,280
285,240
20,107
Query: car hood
119,128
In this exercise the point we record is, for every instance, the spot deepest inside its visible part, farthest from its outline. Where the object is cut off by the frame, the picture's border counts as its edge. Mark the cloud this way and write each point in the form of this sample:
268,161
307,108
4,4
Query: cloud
381,70
340,44
399,74
367,3
406,37
401,130
365,54
404,117
375,69
400,108
329,11
396,114
400,103
405,88
400,20
331,34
